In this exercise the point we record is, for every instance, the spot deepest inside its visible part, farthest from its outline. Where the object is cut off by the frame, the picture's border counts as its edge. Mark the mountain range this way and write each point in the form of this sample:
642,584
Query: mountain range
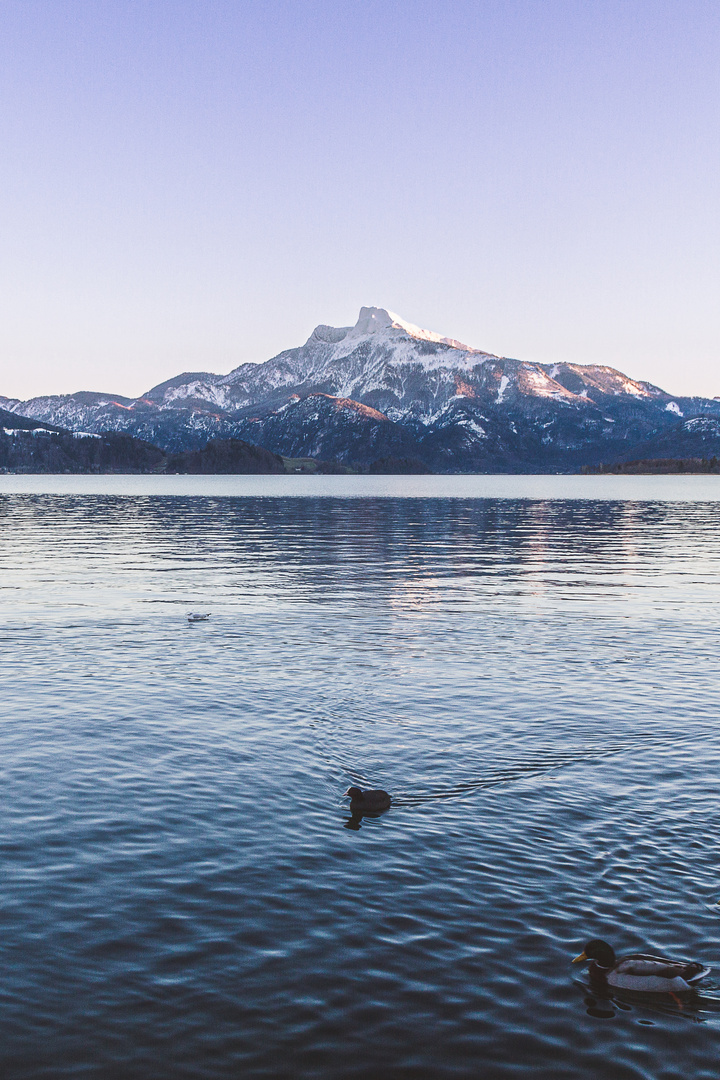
385,390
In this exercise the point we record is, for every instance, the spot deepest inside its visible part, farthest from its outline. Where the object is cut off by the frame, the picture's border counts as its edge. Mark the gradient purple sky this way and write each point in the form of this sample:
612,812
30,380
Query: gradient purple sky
191,184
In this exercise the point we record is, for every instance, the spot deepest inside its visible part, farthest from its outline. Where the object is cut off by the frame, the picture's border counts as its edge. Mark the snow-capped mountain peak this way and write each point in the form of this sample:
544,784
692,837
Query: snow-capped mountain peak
383,323
428,396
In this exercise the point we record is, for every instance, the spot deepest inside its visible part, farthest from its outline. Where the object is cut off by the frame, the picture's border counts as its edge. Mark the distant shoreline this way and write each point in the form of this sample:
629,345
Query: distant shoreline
657,467
308,467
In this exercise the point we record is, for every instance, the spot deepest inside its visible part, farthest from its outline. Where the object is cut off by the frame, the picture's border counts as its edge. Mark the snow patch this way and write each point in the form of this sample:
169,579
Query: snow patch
329,335
29,431
631,387
673,407
472,425
372,320
504,383
541,385
704,425
202,390
387,333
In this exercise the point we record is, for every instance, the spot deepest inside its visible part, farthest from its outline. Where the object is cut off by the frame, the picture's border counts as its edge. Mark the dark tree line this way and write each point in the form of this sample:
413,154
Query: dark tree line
660,466
115,451
226,456
50,452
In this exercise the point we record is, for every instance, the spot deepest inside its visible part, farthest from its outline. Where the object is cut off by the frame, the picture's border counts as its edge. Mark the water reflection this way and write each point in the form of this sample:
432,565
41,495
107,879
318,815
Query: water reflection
603,1005
355,820
534,682
419,554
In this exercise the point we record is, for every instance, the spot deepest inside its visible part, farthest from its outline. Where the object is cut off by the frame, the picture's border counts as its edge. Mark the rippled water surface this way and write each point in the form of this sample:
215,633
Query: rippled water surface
183,892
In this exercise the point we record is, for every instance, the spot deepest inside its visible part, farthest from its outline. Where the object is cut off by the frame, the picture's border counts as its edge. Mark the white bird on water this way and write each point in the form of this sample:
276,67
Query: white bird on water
197,616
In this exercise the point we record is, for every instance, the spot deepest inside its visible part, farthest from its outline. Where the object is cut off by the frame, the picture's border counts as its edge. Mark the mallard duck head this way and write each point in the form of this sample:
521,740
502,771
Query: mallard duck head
599,951
354,792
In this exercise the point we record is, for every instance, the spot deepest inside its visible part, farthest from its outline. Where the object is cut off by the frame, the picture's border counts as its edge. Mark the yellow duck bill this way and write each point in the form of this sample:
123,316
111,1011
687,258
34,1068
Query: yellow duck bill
577,959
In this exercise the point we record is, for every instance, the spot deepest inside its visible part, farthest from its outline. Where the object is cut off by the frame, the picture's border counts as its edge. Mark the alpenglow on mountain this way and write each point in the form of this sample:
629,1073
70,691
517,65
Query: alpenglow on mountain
384,388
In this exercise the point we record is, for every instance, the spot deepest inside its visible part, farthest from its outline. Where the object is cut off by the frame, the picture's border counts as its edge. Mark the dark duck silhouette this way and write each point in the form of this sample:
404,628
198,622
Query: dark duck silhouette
639,971
361,801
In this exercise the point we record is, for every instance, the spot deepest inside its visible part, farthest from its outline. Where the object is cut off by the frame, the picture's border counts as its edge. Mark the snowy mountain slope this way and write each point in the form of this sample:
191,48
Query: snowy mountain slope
698,437
184,428
330,428
10,422
406,370
387,387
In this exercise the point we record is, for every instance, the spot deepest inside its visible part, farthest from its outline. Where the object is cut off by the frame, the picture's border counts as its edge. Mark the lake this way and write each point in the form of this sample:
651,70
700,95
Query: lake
529,665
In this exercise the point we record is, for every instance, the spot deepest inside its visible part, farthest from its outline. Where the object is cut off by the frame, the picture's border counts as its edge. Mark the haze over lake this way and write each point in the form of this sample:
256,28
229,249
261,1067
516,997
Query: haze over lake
531,674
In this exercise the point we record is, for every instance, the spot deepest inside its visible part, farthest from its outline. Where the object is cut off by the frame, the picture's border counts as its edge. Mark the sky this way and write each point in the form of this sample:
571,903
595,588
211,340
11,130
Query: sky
187,185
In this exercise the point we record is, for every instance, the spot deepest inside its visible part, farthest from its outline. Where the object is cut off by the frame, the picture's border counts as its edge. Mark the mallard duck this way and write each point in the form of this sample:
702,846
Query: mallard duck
638,971
368,800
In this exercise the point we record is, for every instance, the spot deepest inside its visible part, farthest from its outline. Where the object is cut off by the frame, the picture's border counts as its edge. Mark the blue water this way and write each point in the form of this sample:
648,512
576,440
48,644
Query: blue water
183,892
